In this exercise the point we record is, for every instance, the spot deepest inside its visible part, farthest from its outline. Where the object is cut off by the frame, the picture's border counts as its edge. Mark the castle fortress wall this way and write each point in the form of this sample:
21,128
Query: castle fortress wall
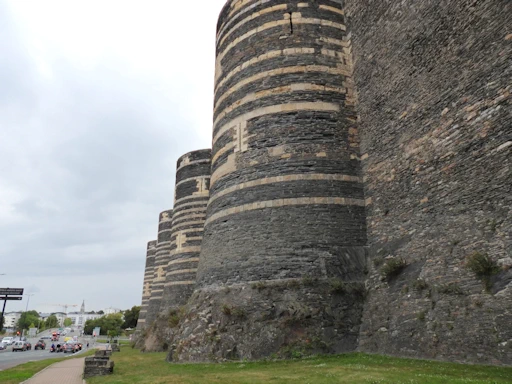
286,213
149,272
434,82
162,254
189,214
286,196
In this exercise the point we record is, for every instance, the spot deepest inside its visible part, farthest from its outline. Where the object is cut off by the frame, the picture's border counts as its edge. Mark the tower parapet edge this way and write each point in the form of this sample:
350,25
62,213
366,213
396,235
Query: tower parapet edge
285,232
189,214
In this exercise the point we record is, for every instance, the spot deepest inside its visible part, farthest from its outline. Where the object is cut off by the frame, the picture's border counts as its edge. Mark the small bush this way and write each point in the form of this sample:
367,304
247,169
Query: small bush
393,267
293,284
337,286
378,261
260,285
420,285
238,312
226,309
451,289
308,280
482,265
421,315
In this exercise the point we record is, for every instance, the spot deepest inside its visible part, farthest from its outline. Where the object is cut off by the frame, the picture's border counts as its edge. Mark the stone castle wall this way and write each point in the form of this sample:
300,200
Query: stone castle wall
316,189
162,255
189,214
433,79
149,273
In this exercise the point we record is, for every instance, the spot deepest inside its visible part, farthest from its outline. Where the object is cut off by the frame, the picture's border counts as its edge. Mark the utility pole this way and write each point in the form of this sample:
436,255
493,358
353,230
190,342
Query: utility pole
28,300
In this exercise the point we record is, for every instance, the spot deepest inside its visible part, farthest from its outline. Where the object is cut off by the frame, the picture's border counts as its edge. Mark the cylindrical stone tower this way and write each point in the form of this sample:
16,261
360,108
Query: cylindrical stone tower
162,253
287,211
148,281
189,213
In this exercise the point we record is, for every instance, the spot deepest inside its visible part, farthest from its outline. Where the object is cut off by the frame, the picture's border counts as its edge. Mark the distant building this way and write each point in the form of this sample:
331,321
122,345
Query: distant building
79,318
11,319
59,315
110,311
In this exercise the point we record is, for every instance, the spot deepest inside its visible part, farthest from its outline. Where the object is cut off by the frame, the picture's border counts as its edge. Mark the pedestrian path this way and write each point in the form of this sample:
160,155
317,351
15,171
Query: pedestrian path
65,372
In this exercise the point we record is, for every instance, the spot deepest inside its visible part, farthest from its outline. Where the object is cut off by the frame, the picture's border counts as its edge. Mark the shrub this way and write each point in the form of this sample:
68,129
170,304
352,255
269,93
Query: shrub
308,280
226,309
420,285
482,265
393,267
293,284
259,285
451,289
174,317
421,315
337,286
238,312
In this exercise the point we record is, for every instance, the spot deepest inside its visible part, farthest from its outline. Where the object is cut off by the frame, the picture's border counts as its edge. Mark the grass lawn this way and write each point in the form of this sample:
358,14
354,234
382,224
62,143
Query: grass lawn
25,371
131,366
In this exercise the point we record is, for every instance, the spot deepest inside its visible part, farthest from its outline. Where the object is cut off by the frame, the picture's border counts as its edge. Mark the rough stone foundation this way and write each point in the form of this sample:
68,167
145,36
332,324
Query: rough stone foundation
285,319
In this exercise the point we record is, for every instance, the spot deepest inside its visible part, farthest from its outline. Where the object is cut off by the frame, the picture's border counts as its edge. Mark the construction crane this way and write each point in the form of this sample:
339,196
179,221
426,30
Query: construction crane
65,306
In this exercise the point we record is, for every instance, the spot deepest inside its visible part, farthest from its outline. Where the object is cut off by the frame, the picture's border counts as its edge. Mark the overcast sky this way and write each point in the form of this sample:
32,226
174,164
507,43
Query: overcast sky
98,99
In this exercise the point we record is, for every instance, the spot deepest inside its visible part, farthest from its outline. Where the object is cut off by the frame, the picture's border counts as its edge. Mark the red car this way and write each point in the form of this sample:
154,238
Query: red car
40,345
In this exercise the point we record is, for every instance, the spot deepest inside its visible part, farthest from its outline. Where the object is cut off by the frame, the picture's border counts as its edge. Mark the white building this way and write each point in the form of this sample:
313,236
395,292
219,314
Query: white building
111,310
79,319
11,319
59,315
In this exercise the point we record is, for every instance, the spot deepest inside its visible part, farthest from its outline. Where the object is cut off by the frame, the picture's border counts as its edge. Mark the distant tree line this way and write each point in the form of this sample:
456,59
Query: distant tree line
112,324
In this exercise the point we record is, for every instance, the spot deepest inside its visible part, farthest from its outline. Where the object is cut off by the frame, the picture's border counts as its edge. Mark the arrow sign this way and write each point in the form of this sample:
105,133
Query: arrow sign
11,298
11,291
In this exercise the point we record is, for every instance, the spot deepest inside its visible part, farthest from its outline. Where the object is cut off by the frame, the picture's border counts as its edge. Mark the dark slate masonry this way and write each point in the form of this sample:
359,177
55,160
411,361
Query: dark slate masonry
191,198
286,200
312,190
162,254
433,79
148,281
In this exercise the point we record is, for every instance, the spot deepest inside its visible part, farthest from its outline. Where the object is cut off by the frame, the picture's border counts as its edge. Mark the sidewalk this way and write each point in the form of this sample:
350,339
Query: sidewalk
65,372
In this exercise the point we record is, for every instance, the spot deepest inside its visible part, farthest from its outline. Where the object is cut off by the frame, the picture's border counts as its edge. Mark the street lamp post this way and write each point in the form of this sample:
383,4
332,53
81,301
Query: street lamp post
28,300
26,308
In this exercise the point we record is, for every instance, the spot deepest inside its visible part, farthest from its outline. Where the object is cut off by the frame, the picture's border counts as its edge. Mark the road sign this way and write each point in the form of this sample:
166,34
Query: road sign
11,298
11,291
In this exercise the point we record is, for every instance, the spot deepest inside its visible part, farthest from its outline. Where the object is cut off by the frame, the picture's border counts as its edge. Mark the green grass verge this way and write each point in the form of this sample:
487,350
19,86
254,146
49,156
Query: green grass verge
25,371
131,366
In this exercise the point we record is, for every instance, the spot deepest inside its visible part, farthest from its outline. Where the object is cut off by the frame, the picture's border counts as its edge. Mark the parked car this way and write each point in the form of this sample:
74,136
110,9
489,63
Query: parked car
40,345
28,345
3,346
19,346
8,340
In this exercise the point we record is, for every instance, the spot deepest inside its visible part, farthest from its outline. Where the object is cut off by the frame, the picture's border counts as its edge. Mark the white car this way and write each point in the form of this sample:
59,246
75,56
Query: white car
19,346
8,340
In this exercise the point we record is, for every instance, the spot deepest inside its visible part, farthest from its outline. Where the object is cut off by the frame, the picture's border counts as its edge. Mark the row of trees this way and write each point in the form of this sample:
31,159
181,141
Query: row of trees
30,319
112,324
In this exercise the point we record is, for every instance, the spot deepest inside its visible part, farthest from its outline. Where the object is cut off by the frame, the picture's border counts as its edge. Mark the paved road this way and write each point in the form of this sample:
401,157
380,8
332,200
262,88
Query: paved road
9,359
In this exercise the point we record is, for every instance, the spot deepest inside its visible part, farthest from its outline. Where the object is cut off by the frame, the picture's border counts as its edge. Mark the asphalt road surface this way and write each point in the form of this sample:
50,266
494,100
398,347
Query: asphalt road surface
9,359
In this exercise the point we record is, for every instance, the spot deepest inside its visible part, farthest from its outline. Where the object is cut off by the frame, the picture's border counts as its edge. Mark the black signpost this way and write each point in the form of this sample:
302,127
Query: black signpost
9,294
